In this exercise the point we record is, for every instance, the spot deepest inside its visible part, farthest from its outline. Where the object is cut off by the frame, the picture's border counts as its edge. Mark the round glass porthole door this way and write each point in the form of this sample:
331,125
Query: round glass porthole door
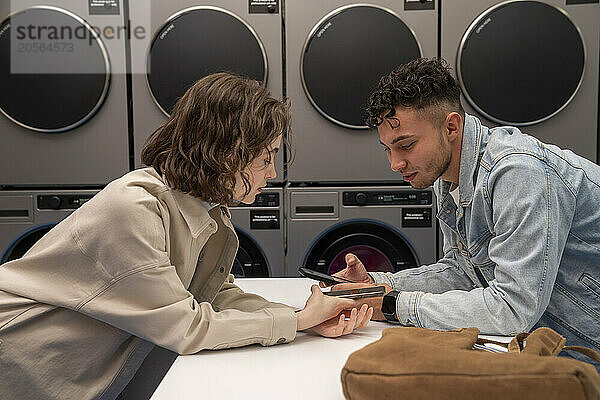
54,70
521,62
250,261
24,242
345,55
197,42
378,247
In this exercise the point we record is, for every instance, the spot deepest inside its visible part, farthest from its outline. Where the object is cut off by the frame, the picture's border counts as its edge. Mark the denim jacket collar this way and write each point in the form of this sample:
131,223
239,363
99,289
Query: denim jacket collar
469,158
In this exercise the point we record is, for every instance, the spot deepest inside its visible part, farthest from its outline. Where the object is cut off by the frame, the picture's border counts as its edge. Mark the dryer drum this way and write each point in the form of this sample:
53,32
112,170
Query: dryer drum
23,243
54,69
521,62
250,262
197,42
345,55
379,247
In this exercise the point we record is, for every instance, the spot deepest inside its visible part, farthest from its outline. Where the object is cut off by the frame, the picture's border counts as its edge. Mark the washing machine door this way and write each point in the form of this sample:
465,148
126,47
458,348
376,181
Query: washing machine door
250,260
54,69
21,244
346,53
521,62
199,41
378,246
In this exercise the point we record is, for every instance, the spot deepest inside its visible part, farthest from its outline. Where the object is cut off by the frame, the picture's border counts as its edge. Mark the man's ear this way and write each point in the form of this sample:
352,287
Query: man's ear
454,125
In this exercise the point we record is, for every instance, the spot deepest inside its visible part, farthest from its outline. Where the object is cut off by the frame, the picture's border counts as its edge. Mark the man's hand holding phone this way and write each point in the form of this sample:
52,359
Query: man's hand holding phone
355,271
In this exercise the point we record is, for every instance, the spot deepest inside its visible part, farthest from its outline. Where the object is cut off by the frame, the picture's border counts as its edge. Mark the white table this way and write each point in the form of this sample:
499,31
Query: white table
307,368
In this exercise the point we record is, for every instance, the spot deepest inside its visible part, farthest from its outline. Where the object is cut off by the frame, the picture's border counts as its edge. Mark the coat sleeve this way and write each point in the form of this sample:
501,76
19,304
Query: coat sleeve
230,296
152,303
145,296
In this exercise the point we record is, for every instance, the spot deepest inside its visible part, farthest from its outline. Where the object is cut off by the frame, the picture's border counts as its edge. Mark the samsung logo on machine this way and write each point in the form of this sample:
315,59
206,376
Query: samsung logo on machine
169,29
487,21
322,31
7,27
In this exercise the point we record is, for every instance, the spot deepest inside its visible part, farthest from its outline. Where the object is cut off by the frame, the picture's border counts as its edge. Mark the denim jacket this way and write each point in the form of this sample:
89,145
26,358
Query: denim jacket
521,250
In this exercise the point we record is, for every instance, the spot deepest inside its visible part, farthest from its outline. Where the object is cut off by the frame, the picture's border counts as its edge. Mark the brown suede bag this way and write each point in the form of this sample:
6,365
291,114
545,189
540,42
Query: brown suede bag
416,363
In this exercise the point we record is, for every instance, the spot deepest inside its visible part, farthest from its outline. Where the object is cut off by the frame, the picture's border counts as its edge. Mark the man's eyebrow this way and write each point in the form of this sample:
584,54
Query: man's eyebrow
274,150
401,137
397,139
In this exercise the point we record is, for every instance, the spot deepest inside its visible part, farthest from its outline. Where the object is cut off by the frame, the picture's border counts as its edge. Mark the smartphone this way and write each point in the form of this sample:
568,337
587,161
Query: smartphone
319,276
373,291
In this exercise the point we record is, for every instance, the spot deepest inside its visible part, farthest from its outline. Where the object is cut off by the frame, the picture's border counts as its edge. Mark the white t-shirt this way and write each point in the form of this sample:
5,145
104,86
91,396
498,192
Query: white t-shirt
455,196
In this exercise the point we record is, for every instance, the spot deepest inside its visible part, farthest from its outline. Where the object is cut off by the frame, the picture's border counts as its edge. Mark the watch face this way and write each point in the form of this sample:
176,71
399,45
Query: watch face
388,306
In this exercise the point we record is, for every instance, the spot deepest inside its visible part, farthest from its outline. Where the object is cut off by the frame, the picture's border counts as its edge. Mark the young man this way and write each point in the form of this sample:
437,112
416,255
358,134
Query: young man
520,218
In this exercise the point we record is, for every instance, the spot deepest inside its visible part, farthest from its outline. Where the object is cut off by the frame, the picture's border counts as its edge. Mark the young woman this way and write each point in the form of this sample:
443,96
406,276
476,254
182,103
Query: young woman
146,261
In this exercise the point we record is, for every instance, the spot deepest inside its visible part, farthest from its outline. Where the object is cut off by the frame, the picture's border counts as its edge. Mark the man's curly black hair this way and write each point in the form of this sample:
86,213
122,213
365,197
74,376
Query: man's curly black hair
425,85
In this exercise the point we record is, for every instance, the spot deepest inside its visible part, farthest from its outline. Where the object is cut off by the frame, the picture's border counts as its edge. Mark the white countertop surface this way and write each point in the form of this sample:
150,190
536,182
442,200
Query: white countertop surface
307,368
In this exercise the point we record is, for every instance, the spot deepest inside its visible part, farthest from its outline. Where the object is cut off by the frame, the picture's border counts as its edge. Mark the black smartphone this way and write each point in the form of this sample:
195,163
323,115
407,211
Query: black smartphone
372,291
319,276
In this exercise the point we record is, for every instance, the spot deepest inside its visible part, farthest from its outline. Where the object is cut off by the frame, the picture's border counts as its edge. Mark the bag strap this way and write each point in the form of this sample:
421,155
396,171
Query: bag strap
594,355
517,343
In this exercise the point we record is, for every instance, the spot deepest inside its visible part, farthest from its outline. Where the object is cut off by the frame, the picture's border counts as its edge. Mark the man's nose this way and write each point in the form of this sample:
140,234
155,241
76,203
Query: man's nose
397,163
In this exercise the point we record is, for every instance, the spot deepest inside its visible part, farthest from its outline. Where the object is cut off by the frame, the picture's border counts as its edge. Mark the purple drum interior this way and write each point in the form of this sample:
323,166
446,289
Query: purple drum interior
372,259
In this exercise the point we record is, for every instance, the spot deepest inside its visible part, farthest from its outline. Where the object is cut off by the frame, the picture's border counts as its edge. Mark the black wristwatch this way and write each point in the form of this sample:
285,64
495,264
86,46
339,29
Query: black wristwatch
388,306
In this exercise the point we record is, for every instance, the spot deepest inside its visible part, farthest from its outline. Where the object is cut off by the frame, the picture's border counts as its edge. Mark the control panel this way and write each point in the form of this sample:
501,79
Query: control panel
62,201
396,197
263,200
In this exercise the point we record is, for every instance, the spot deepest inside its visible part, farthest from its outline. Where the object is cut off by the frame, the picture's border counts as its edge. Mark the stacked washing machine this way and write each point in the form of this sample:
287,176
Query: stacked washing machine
190,39
342,195
532,64
63,112
260,230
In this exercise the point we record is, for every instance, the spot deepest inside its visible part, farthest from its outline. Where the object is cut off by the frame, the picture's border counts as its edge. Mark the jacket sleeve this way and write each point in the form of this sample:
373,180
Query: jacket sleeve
152,303
531,211
230,296
440,277
145,296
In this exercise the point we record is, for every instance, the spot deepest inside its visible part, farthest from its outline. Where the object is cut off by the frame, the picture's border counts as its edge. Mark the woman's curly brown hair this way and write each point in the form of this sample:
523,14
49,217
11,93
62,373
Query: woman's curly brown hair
425,85
217,128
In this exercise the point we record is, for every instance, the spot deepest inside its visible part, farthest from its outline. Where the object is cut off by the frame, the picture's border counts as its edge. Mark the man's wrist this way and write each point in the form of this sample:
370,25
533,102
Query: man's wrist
371,278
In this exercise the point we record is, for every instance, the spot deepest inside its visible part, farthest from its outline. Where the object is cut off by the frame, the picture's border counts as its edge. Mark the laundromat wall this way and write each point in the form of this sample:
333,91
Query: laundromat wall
75,111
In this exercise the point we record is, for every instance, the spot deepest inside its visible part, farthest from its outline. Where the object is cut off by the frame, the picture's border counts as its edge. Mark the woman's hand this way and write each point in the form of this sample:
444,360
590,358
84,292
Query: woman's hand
355,271
327,314
338,326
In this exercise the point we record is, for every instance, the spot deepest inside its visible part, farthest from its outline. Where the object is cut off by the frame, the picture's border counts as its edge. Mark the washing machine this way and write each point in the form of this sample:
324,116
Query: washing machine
532,64
260,230
63,93
389,228
190,39
336,51
26,216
